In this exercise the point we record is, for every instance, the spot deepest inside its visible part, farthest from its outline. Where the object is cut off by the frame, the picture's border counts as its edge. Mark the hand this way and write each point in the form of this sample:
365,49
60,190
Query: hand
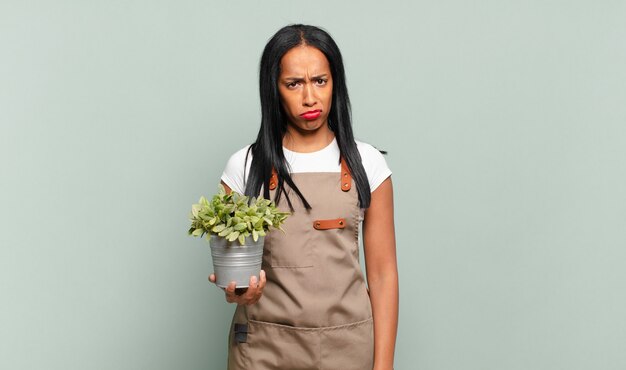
247,296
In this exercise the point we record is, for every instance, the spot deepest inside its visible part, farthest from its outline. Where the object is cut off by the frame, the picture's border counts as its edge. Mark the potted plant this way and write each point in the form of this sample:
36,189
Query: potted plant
235,227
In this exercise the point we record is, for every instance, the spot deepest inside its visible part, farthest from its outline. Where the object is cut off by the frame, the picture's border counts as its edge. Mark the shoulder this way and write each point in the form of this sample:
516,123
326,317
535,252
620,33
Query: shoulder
368,150
374,164
237,168
239,157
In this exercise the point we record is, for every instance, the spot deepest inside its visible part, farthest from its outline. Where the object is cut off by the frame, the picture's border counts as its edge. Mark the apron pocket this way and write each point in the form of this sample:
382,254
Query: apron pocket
274,346
291,249
348,347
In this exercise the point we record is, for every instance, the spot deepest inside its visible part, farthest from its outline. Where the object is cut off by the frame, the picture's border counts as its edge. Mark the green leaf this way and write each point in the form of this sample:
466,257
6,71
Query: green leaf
232,236
218,228
226,231
242,239
255,235
195,209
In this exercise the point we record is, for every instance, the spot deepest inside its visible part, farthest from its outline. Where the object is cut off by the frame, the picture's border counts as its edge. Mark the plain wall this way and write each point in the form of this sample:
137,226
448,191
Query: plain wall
505,126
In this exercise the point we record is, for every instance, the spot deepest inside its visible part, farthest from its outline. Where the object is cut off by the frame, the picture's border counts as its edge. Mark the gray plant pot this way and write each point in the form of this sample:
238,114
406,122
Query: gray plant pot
235,262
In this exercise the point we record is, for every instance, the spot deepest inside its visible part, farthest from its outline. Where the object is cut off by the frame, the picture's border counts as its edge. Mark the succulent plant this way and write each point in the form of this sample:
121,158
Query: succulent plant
235,216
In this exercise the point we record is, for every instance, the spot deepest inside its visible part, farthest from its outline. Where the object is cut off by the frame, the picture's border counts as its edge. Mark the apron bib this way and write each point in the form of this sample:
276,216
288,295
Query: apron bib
315,311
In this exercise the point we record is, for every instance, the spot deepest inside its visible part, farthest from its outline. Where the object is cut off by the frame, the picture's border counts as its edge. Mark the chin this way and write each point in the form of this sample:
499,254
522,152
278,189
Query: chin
312,125
308,125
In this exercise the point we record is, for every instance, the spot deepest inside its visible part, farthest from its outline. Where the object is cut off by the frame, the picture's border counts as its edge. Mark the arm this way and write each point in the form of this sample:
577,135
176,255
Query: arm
226,187
382,274
251,294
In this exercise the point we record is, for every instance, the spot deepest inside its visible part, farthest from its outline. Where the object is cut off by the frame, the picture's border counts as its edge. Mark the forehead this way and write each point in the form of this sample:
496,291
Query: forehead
304,59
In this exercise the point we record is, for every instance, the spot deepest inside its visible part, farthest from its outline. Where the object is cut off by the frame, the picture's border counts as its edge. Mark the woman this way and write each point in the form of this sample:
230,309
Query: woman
311,308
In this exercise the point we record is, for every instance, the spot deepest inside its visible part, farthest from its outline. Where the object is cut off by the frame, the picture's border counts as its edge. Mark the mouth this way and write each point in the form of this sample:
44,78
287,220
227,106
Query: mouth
312,114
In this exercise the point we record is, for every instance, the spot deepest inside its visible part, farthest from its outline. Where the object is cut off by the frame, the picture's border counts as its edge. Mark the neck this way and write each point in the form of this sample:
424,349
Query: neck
304,141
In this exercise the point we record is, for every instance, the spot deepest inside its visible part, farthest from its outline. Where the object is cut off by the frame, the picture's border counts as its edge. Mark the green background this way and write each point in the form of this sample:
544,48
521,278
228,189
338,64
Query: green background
505,126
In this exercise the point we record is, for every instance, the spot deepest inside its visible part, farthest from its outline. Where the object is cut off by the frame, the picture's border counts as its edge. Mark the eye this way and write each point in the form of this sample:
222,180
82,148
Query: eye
292,85
320,82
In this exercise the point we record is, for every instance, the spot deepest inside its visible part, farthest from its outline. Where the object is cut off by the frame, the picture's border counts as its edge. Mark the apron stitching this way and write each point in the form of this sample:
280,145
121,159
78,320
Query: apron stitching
325,328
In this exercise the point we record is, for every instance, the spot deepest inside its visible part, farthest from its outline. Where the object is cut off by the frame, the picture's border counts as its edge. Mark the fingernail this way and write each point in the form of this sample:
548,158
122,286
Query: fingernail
253,280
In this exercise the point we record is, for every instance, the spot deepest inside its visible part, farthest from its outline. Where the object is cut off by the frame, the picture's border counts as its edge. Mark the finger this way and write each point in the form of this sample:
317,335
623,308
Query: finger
230,292
262,283
212,278
251,293
253,286
261,286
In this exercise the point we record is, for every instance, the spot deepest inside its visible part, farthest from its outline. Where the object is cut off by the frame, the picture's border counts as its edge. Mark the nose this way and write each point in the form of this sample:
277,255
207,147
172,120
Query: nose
308,96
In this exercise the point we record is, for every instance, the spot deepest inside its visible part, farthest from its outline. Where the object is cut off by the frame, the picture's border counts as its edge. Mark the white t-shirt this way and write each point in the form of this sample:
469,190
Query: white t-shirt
324,160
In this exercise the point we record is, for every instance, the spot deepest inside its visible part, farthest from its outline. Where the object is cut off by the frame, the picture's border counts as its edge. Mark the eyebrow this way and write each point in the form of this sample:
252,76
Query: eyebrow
302,78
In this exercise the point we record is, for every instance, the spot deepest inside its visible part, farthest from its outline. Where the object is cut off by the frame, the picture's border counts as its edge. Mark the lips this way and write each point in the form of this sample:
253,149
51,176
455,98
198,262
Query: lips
312,114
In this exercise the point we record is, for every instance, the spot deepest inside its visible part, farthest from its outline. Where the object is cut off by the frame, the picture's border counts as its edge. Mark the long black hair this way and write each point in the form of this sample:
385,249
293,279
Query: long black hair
267,150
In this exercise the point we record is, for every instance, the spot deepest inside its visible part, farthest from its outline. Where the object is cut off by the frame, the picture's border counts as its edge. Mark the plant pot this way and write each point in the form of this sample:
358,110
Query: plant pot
235,262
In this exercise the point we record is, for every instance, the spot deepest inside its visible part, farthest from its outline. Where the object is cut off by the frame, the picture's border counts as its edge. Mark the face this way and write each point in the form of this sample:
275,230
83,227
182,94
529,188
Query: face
305,85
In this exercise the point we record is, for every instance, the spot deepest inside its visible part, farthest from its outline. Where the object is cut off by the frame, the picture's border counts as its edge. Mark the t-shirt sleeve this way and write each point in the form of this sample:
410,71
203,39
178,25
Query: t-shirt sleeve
237,170
374,164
